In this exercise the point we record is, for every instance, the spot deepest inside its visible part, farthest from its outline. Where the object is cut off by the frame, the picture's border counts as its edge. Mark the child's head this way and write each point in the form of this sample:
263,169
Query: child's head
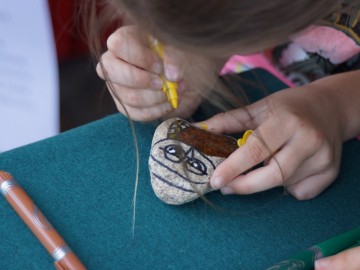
225,27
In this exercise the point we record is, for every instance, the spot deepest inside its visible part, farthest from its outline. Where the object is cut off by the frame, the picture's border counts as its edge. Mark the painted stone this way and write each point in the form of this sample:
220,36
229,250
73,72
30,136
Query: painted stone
183,158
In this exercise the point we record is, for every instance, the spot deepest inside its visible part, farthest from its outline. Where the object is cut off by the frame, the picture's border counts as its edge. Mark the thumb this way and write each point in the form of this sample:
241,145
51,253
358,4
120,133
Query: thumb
348,259
174,64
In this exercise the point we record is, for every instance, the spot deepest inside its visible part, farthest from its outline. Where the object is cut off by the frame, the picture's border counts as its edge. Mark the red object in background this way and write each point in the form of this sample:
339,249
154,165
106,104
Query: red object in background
69,44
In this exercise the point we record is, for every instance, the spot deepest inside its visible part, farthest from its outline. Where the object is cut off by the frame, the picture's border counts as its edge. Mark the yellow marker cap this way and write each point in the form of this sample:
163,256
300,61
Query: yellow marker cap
242,141
172,94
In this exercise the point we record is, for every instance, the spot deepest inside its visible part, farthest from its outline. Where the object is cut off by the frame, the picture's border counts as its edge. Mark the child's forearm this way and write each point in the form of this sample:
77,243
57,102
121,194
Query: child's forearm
343,92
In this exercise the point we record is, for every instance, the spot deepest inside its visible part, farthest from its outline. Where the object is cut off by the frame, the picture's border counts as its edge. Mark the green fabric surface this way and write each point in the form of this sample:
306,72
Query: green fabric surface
83,182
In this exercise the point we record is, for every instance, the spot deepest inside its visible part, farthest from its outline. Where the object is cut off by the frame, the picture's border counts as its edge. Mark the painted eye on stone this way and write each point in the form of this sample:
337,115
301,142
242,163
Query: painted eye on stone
196,166
174,153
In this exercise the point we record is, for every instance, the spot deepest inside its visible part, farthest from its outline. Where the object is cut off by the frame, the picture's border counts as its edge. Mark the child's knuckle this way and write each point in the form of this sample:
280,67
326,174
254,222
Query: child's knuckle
256,151
301,195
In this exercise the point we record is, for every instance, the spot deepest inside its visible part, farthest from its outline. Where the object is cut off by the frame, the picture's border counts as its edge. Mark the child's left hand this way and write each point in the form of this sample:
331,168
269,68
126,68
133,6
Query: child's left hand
298,129
348,259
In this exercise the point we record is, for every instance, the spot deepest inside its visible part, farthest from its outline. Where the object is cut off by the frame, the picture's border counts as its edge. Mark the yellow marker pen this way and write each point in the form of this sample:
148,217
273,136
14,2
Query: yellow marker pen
169,88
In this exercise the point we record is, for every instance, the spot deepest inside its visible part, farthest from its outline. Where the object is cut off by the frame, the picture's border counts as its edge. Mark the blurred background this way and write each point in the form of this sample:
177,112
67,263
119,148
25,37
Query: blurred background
83,97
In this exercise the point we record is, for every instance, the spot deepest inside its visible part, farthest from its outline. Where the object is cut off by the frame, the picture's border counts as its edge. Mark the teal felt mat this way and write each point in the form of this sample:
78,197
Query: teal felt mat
83,181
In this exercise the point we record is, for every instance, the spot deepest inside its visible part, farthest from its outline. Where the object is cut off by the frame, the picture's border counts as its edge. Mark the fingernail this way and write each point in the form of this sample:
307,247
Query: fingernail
322,264
157,68
227,190
172,73
217,182
156,83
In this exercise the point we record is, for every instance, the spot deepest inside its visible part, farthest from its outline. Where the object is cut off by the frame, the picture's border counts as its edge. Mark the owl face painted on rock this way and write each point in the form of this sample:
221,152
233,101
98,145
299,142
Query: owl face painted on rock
183,158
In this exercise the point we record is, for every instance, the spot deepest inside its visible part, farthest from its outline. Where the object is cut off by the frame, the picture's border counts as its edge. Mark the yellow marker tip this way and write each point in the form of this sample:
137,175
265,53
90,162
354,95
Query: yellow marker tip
174,103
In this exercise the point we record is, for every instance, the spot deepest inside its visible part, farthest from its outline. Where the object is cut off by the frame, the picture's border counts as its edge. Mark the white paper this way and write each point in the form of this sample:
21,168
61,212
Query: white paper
29,109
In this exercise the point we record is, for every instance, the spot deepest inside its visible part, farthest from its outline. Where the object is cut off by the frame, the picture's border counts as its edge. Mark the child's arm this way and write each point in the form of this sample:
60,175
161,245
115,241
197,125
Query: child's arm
304,128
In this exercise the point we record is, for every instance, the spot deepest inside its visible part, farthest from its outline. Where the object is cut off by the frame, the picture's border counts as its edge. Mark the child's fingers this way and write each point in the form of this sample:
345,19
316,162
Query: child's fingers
174,66
276,173
258,180
293,158
237,120
316,173
123,73
139,98
259,146
348,259
145,114
312,186
126,44
228,122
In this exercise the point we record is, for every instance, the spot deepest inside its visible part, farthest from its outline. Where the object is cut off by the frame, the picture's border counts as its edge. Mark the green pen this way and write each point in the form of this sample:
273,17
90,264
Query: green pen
305,260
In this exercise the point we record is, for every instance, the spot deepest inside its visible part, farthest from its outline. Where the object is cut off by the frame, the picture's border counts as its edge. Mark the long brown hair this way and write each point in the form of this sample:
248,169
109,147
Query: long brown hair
207,29
225,26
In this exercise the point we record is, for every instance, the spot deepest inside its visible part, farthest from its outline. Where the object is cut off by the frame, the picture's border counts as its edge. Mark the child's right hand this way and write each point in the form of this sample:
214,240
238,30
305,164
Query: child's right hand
299,127
134,69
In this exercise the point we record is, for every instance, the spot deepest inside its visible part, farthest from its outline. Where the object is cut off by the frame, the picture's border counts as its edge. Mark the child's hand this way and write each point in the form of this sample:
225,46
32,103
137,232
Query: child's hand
134,69
348,259
297,129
